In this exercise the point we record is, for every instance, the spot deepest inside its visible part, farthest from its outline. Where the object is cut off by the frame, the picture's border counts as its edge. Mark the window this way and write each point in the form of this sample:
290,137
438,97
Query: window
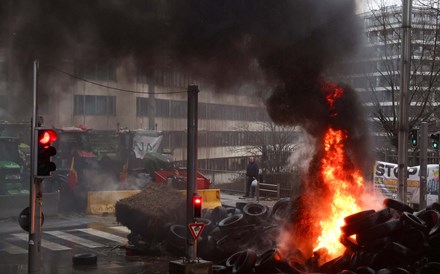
170,77
94,105
96,71
141,107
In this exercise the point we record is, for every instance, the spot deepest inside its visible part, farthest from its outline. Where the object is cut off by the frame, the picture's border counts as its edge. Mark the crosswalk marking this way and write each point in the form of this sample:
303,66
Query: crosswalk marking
104,235
14,245
73,238
12,249
44,243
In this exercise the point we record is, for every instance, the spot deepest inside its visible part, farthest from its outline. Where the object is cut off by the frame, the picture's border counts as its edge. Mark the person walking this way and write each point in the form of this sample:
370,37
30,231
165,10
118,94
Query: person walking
251,174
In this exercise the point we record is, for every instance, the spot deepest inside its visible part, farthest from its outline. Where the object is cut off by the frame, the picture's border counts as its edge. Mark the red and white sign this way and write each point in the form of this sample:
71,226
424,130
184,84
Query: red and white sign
196,229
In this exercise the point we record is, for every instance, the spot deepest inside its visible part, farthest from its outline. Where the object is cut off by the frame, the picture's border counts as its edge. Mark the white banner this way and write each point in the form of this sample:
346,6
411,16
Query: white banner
385,180
143,144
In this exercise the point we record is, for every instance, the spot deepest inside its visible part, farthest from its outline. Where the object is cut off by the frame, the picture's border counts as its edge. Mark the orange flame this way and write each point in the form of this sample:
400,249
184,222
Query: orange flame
337,187
344,184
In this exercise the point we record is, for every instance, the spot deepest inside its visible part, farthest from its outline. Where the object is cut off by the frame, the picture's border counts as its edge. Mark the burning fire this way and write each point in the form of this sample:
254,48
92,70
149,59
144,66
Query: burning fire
344,184
332,191
342,180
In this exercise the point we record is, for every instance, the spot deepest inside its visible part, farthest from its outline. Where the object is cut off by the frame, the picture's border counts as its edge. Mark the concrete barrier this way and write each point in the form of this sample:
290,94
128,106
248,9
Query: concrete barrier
100,202
210,197
12,205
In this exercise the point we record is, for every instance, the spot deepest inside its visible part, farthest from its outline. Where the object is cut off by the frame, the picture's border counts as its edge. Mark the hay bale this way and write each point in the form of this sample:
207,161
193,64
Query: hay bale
146,212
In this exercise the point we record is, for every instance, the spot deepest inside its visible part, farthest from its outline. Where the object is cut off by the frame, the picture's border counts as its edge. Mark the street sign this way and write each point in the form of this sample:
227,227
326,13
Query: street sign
24,219
196,229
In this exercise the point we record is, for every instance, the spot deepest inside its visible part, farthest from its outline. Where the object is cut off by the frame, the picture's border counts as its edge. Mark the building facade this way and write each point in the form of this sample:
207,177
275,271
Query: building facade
375,74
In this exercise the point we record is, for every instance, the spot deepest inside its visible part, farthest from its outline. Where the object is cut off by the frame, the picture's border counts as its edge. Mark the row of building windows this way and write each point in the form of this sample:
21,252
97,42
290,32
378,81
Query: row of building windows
178,139
392,15
94,105
106,105
178,109
106,71
218,164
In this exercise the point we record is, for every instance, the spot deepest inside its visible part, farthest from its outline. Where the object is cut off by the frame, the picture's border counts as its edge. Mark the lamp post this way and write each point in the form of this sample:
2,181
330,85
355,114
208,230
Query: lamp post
403,107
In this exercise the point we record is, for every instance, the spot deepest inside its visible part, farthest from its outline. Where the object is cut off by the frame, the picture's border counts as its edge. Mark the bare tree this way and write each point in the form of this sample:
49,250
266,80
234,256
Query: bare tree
379,67
272,142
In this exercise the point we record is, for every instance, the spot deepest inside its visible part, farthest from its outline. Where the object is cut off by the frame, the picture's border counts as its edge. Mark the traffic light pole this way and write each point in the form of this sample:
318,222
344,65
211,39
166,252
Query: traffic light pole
193,91
36,193
423,164
403,106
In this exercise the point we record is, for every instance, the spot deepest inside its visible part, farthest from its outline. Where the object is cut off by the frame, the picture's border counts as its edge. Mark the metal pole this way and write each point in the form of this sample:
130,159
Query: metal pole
151,104
403,106
438,185
35,197
193,91
423,164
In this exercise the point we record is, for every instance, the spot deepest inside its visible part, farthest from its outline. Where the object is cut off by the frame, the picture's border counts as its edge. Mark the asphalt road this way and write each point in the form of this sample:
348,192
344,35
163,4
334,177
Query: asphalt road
65,236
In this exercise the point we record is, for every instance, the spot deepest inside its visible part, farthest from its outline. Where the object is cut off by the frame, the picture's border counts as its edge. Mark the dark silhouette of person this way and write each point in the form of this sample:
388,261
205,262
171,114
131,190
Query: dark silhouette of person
251,174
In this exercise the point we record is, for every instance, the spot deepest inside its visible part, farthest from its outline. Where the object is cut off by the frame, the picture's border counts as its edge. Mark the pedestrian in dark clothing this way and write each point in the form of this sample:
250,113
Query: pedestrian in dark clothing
251,174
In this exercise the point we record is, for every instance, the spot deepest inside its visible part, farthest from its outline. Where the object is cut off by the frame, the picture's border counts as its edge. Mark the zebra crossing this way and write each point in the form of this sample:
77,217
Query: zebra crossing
57,240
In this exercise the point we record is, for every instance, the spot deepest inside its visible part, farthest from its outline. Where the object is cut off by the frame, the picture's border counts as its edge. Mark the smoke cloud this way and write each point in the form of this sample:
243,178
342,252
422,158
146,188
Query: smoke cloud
281,47
227,42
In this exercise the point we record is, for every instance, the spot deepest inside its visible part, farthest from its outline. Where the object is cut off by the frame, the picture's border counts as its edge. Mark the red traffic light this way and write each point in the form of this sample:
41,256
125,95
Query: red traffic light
46,137
197,205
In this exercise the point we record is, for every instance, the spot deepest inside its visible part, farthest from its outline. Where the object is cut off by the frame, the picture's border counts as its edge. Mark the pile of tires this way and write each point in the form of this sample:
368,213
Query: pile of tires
394,240
237,239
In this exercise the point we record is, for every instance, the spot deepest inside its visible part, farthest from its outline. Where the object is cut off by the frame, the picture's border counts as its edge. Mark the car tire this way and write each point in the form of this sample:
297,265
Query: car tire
84,259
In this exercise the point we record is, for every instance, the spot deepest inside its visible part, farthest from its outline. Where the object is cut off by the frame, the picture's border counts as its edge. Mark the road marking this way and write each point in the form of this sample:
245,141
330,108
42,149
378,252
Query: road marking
12,249
44,243
104,235
74,239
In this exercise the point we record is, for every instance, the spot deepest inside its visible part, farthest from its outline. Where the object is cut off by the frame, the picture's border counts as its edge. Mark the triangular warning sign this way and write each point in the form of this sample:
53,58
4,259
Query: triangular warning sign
196,229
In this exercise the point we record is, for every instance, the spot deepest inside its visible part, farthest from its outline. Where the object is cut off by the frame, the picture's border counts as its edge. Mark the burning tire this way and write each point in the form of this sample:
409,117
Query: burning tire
431,219
244,261
399,206
358,216
218,214
208,226
271,233
176,239
255,213
410,220
231,222
359,222
378,231
240,205
84,259
281,210
266,261
233,211
400,253
227,244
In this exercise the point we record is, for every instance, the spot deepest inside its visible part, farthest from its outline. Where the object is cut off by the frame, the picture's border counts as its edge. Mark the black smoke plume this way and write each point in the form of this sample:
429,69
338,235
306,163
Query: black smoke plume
282,46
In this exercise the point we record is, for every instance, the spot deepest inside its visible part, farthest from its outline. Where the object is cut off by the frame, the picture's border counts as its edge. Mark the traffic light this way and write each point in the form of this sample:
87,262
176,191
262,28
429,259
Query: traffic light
197,205
435,140
413,137
45,151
